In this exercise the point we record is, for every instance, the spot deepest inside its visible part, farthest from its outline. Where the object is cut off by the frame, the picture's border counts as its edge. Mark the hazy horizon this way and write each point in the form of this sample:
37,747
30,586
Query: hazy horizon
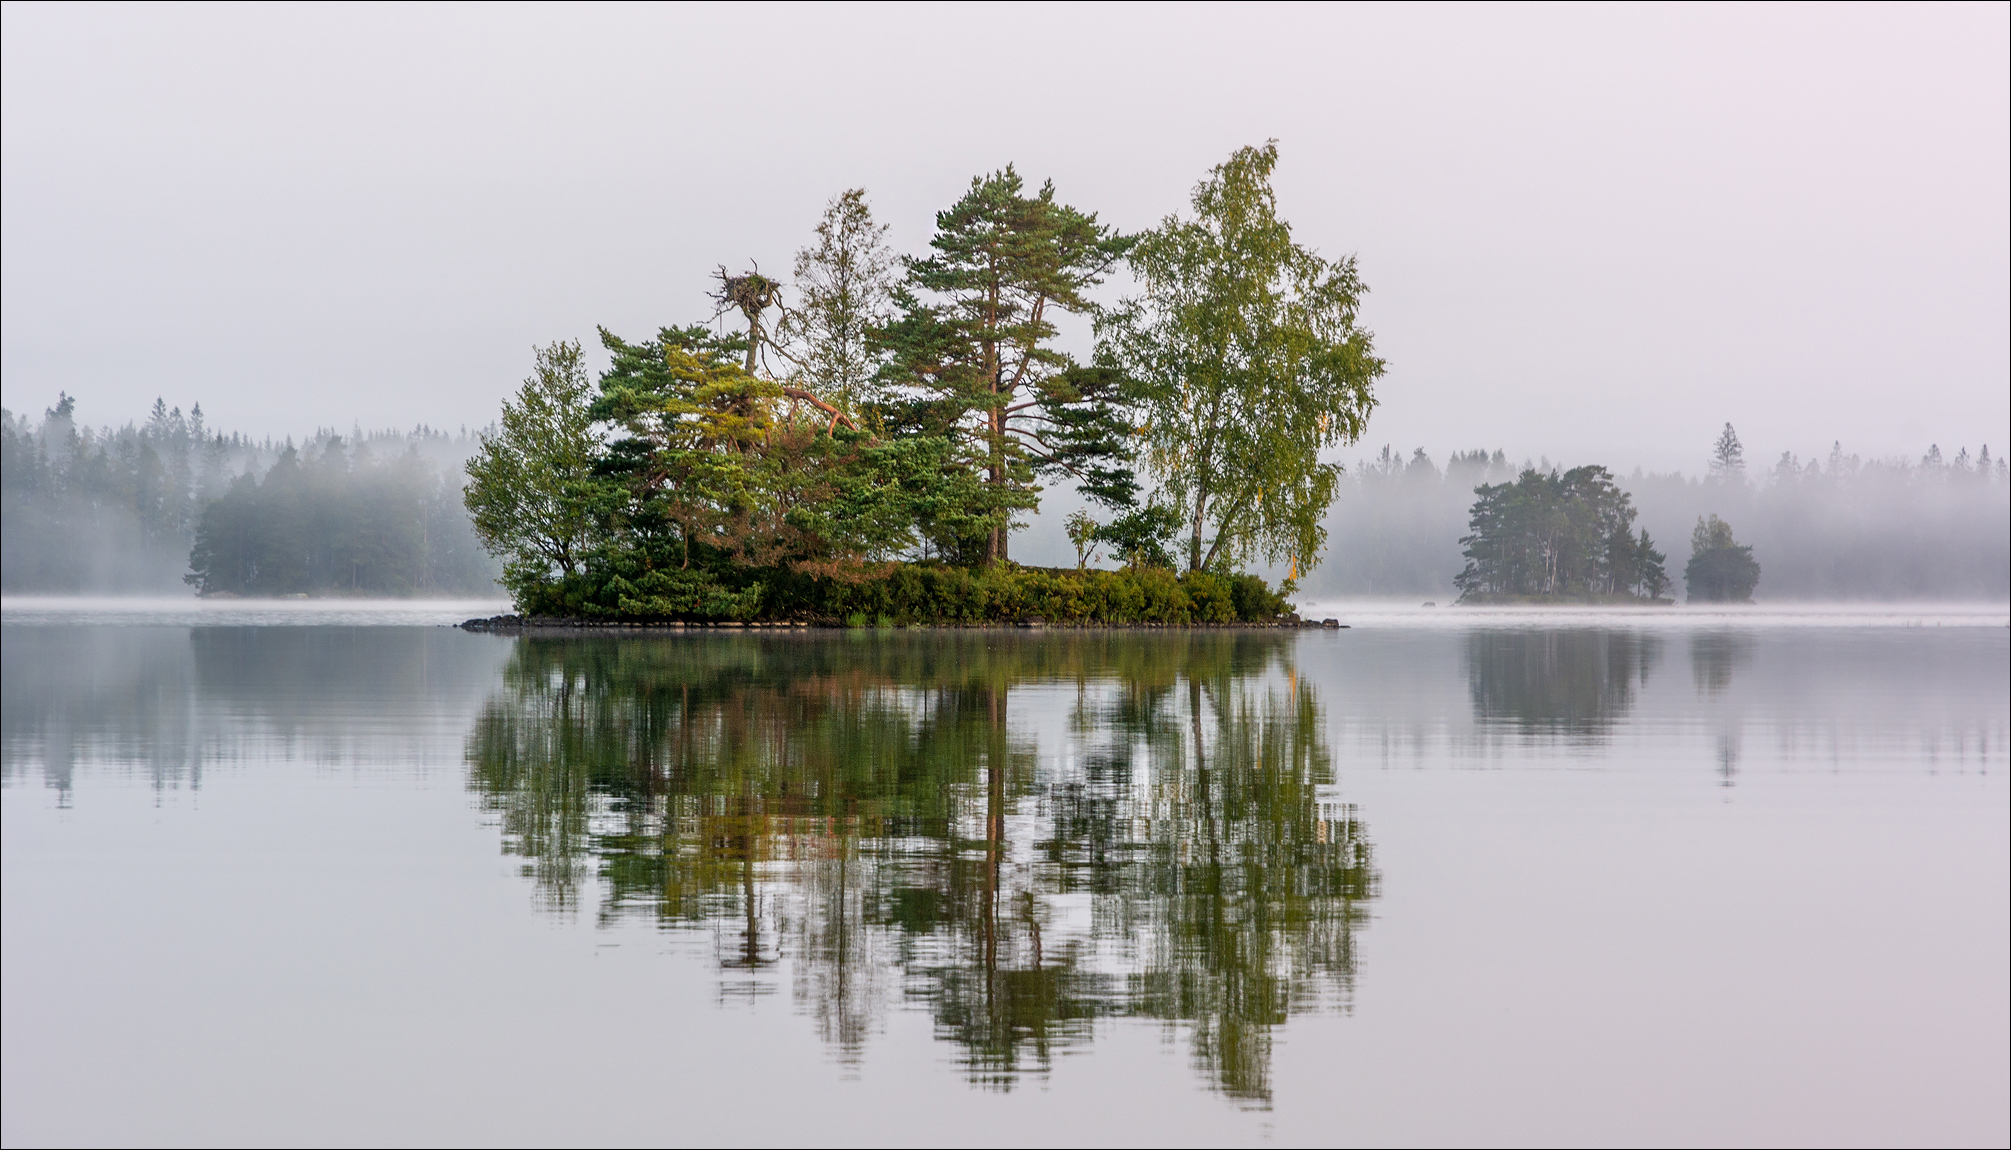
1592,234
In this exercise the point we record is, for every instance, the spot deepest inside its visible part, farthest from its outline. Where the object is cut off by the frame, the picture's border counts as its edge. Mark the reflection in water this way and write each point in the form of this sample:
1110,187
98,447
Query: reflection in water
876,810
1715,656
167,702
1575,682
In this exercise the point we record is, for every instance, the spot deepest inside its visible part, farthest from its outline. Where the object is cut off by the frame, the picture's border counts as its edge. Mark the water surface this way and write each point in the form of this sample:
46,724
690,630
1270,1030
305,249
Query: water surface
314,874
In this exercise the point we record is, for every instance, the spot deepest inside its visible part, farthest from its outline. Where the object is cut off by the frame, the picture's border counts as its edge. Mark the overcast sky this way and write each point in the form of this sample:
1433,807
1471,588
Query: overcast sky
1593,234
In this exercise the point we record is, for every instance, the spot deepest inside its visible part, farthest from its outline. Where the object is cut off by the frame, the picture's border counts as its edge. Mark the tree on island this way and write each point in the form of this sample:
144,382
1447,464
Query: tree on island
1720,570
845,288
1252,364
1556,536
530,494
972,349
862,449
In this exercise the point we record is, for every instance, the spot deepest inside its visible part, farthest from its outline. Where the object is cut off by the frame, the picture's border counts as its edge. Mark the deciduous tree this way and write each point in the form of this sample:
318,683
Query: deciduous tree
844,288
1253,363
529,485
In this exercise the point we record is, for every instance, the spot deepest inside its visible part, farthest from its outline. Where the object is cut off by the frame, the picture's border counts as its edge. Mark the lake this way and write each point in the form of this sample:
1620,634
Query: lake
322,872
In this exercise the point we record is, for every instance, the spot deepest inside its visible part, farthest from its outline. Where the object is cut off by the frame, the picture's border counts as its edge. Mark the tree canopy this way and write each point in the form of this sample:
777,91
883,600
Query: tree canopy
1720,570
529,497
828,429
1251,364
972,349
1560,536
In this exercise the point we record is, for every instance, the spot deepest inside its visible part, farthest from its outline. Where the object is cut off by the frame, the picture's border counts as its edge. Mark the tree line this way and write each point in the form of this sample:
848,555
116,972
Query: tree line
886,411
1835,527
150,507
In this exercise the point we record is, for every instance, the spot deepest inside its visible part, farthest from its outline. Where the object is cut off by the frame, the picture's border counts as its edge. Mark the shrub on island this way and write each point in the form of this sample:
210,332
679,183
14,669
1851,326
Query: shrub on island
919,593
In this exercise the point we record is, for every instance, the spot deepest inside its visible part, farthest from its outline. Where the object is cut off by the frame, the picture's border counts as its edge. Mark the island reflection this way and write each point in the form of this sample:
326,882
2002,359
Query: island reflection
1568,684
877,810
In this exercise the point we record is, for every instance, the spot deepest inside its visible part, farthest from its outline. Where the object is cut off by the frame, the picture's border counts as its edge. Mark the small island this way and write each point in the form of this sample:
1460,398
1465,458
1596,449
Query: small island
1559,538
858,447
1568,537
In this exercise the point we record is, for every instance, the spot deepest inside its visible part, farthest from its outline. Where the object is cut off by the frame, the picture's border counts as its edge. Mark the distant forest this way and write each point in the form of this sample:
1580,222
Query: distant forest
153,507
120,509
1842,527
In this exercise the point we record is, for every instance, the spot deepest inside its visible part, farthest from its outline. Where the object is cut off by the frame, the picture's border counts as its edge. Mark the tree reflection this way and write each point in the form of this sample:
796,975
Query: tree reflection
1715,656
871,809
1568,682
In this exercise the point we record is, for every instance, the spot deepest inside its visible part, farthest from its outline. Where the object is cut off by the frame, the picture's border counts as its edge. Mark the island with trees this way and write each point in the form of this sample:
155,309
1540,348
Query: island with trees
1551,537
1720,569
1568,537
860,445
855,447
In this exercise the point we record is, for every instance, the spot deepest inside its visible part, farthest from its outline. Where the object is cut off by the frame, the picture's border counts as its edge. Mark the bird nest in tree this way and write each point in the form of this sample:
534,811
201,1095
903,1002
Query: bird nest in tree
751,292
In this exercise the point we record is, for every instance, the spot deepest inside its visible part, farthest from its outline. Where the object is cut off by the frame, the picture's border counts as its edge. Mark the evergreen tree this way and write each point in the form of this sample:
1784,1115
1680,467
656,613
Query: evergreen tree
1554,535
972,349
1720,570
1728,458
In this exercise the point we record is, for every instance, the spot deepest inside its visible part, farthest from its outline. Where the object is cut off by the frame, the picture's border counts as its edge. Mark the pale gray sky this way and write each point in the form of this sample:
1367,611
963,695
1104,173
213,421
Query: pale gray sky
1592,233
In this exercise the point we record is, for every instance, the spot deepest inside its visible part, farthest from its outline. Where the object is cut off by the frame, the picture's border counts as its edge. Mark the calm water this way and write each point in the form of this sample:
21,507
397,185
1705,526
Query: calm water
313,873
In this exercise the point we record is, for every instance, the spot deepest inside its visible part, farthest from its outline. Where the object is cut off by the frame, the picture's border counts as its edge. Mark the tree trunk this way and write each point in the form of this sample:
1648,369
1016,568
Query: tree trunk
1002,534
1194,544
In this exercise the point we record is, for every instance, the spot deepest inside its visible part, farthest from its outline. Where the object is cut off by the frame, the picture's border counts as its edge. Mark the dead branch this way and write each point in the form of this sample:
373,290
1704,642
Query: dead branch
837,416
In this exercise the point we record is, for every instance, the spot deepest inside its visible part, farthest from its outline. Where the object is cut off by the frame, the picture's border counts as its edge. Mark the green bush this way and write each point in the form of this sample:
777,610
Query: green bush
911,593
934,593
1255,599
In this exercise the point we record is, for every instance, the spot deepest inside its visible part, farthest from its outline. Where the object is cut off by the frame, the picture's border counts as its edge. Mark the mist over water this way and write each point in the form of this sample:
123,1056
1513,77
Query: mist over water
131,509
1143,858
1831,530
117,510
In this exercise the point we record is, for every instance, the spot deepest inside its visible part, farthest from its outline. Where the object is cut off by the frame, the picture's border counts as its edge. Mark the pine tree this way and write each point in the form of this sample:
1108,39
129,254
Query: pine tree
1720,569
1728,458
973,345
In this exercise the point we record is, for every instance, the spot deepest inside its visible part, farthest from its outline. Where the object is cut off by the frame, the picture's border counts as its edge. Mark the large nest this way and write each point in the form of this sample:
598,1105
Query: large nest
751,292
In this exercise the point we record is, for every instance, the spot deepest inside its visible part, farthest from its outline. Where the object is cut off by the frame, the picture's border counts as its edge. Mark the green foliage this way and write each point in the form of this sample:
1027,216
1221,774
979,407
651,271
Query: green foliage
1253,599
1556,536
1143,537
1082,532
529,494
720,467
1007,593
1140,537
971,353
867,804
721,493
845,288
1720,570
1251,363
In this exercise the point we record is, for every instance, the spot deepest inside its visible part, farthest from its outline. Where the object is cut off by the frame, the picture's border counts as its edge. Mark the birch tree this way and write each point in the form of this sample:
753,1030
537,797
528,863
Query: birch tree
528,485
1247,346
